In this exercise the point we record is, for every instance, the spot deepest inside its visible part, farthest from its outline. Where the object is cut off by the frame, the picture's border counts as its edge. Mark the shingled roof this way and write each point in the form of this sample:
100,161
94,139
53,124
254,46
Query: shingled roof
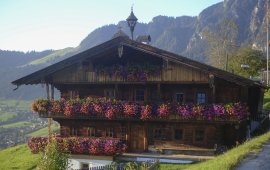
40,76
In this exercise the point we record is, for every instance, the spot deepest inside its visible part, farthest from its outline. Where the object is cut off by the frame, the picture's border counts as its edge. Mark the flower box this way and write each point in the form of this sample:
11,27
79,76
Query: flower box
80,145
108,109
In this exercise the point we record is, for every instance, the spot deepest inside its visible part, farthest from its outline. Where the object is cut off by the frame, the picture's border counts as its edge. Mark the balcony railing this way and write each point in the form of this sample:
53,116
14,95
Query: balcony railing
80,145
118,110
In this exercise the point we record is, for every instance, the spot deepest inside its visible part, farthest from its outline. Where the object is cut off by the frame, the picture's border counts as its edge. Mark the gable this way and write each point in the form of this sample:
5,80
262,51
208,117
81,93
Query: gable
90,73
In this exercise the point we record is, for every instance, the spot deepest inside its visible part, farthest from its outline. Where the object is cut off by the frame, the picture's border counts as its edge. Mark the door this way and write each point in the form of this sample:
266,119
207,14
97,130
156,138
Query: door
138,138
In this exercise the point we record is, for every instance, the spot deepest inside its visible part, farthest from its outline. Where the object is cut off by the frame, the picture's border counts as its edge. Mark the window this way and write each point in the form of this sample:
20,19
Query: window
123,133
199,135
139,95
109,132
64,131
109,93
73,94
91,131
159,133
178,134
179,97
201,98
74,131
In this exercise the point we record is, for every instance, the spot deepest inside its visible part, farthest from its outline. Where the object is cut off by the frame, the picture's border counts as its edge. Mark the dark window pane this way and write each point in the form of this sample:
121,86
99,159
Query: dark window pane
109,132
74,131
158,134
123,133
109,93
201,98
139,95
178,134
180,97
199,135
91,131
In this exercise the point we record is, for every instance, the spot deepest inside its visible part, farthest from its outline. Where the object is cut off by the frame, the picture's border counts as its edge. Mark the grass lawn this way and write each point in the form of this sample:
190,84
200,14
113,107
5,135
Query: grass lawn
174,166
266,100
17,124
44,131
18,157
231,158
4,116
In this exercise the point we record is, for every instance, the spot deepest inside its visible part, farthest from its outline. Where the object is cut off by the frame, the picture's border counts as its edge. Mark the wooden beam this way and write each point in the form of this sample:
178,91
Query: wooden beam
128,136
214,94
158,92
52,91
49,119
48,91
116,91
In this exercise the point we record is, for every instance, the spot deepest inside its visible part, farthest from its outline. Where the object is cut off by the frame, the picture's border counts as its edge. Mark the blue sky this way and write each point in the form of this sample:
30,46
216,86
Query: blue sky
27,25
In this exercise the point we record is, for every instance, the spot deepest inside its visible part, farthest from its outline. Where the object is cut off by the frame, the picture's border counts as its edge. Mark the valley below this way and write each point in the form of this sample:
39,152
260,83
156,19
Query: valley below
18,123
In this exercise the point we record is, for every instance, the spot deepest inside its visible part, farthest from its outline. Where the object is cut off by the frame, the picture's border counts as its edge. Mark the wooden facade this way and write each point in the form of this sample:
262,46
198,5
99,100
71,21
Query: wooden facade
174,78
160,135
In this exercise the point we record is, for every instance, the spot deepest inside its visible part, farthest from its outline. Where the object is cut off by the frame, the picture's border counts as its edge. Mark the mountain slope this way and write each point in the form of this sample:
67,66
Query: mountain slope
51,57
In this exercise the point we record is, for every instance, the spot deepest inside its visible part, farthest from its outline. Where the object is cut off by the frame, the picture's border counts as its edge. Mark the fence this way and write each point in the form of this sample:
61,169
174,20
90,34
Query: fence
148,165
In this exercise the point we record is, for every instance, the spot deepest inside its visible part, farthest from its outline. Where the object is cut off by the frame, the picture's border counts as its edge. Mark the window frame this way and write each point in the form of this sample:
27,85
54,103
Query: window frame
195,135
161,134
91,131
109,132
74,131
111,93
205,97
182,134
140,95
180,93
123,133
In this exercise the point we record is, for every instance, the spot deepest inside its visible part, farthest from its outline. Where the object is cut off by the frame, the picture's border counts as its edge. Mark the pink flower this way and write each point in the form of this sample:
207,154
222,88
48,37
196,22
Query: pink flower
163,110
146,112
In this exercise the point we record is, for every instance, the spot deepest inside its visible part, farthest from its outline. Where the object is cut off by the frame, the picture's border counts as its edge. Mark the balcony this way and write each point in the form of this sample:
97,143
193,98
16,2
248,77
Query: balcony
103,109
80,145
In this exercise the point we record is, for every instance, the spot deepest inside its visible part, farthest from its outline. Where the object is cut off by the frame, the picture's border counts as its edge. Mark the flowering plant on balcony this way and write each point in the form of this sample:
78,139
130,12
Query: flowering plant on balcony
163,110
86,108
185,111
72,106
95,146
57,106
130,72
218,110
146,112
40,105
130,109
80,145
112,109
37,144
236,110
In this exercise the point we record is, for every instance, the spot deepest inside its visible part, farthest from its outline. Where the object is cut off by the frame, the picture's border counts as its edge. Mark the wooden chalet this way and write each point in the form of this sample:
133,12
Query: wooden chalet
170,78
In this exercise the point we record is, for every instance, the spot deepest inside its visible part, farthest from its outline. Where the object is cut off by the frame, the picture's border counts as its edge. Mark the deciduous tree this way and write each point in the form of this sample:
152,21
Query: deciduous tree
221,42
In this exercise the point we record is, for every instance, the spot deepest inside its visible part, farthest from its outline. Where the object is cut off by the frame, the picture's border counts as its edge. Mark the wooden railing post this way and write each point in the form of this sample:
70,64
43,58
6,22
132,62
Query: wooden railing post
50,96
